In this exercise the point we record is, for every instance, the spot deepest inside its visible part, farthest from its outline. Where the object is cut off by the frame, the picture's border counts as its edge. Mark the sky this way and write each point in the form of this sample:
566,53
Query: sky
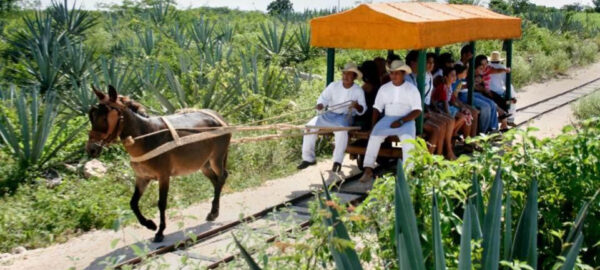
299,5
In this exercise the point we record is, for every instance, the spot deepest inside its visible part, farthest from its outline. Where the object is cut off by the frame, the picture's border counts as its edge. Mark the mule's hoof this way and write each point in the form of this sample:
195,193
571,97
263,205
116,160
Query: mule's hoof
158,238
150,224
212,216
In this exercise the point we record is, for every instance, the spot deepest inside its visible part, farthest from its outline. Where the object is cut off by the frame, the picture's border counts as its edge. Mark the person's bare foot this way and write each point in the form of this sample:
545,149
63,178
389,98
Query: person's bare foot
450,156
367,175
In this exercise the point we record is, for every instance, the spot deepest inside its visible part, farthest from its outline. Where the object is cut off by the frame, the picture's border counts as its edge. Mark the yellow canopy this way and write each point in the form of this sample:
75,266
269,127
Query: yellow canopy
410,26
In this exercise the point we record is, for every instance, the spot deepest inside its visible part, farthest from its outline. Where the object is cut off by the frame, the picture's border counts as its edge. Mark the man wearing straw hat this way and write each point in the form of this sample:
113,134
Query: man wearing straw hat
498,83
400,102
337,105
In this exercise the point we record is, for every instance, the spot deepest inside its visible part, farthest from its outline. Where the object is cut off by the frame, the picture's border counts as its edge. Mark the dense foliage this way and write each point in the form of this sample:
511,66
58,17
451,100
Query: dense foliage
547,189
245,65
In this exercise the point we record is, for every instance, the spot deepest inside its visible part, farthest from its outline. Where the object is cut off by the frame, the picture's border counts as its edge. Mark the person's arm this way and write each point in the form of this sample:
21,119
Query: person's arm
360,105
498,70
325,97
374,117
446,107
409,117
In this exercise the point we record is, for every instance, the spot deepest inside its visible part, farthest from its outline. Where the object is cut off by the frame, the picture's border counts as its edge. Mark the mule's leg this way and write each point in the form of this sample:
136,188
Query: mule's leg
214,180
163,191
218,165
140,187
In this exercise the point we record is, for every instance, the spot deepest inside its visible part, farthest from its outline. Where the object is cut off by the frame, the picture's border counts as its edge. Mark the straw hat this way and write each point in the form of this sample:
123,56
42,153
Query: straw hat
495,57
397,65
353,68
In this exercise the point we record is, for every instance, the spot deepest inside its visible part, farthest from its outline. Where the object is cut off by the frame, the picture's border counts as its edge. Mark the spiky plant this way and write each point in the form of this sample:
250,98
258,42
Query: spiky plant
74,20
38,135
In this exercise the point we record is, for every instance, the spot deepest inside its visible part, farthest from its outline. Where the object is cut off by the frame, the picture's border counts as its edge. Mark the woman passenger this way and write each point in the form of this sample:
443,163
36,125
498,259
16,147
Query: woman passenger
370,86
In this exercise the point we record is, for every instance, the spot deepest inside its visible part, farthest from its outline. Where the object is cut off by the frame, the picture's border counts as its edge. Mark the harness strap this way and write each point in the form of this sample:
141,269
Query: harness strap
172,130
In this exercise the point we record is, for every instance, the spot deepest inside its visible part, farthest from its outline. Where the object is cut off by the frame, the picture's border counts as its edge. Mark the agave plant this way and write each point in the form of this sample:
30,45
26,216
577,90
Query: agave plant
79,97
116,74
45,66
177,33
225,32
407,242
74,21
34,140
201,32
272,40
147,41
161,11
302,41
76,61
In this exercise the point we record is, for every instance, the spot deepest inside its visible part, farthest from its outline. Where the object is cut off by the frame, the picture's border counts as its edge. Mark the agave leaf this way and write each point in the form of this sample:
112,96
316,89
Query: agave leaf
464,257
438,249
491,225
525,242
406,222
475,225
249,260
476,190
581,215
571,257
347,257
507,228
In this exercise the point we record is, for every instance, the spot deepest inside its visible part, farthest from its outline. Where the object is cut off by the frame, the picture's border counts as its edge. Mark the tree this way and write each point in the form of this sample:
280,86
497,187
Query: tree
7,5
596,5
280,7
501,7
577,7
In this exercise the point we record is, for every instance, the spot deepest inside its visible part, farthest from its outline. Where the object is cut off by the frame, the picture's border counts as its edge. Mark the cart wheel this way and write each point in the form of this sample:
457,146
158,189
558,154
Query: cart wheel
359,162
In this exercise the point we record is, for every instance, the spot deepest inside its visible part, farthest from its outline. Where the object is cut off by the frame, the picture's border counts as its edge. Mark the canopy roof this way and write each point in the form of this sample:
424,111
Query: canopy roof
410,26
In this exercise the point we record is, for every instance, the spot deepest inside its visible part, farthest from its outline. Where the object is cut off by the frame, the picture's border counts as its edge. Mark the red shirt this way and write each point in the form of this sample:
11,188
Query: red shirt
442,93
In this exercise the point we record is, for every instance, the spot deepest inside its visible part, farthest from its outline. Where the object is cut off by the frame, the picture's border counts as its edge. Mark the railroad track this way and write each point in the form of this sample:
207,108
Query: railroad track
537,109
198,247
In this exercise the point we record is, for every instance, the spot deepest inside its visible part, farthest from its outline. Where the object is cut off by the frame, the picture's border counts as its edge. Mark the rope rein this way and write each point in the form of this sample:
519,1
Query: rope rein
212,132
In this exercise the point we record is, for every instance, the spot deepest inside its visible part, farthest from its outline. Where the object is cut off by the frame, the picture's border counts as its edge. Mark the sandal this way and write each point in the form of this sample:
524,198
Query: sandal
504,116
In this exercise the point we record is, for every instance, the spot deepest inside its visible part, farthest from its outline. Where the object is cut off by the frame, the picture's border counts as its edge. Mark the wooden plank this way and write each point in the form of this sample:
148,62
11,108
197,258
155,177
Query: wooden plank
383,152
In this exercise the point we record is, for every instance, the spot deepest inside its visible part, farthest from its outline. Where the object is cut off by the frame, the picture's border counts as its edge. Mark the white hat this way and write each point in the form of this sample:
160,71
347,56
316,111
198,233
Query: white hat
495,57
353,68
397,65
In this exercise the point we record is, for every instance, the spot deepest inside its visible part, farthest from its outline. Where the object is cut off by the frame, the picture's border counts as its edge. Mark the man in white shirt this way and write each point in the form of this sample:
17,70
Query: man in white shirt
400,102
498,83
340,101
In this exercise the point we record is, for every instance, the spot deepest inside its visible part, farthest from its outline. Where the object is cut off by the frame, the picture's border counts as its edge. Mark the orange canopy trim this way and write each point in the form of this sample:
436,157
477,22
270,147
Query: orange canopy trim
410,26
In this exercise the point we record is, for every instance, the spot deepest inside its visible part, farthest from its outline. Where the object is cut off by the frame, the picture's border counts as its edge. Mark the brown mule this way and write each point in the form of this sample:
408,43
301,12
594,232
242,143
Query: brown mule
118,116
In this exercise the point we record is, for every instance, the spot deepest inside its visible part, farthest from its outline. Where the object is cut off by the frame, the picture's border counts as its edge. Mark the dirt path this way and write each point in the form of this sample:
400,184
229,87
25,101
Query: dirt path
91,247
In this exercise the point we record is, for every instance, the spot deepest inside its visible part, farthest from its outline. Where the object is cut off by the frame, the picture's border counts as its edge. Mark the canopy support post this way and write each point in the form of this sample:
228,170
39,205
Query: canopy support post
390,53
508,44
421,85
437,51
471,78
330,65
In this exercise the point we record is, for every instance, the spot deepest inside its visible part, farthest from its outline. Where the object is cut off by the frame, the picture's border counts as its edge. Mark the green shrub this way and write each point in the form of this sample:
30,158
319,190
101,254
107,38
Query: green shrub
587,107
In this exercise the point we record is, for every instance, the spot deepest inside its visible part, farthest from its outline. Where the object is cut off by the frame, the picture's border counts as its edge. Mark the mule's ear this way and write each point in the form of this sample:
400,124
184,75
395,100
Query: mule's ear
112,93
101,96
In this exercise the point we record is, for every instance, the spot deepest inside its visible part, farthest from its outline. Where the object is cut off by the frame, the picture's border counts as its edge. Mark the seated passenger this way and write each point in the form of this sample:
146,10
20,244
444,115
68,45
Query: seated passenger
444,60
341,100
484,70
370,86
385,78
443,98
466,55
400,102
498,84
488,116
438,127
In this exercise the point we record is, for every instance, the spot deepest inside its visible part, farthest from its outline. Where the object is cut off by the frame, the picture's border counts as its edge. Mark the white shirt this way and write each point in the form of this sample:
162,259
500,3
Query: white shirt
498,80
336,93
397,100
412,78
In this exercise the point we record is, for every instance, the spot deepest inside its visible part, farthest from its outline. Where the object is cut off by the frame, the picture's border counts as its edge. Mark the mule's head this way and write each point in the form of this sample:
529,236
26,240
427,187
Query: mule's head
106,119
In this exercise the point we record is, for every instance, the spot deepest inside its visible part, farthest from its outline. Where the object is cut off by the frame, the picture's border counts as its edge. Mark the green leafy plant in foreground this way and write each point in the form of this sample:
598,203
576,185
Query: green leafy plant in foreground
32,142
408,245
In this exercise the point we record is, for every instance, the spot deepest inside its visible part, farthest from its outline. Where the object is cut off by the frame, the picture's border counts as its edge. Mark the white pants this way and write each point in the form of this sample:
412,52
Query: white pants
405,133
309,141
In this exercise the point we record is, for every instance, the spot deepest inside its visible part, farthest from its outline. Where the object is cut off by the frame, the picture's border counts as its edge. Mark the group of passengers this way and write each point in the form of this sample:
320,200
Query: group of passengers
389,102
